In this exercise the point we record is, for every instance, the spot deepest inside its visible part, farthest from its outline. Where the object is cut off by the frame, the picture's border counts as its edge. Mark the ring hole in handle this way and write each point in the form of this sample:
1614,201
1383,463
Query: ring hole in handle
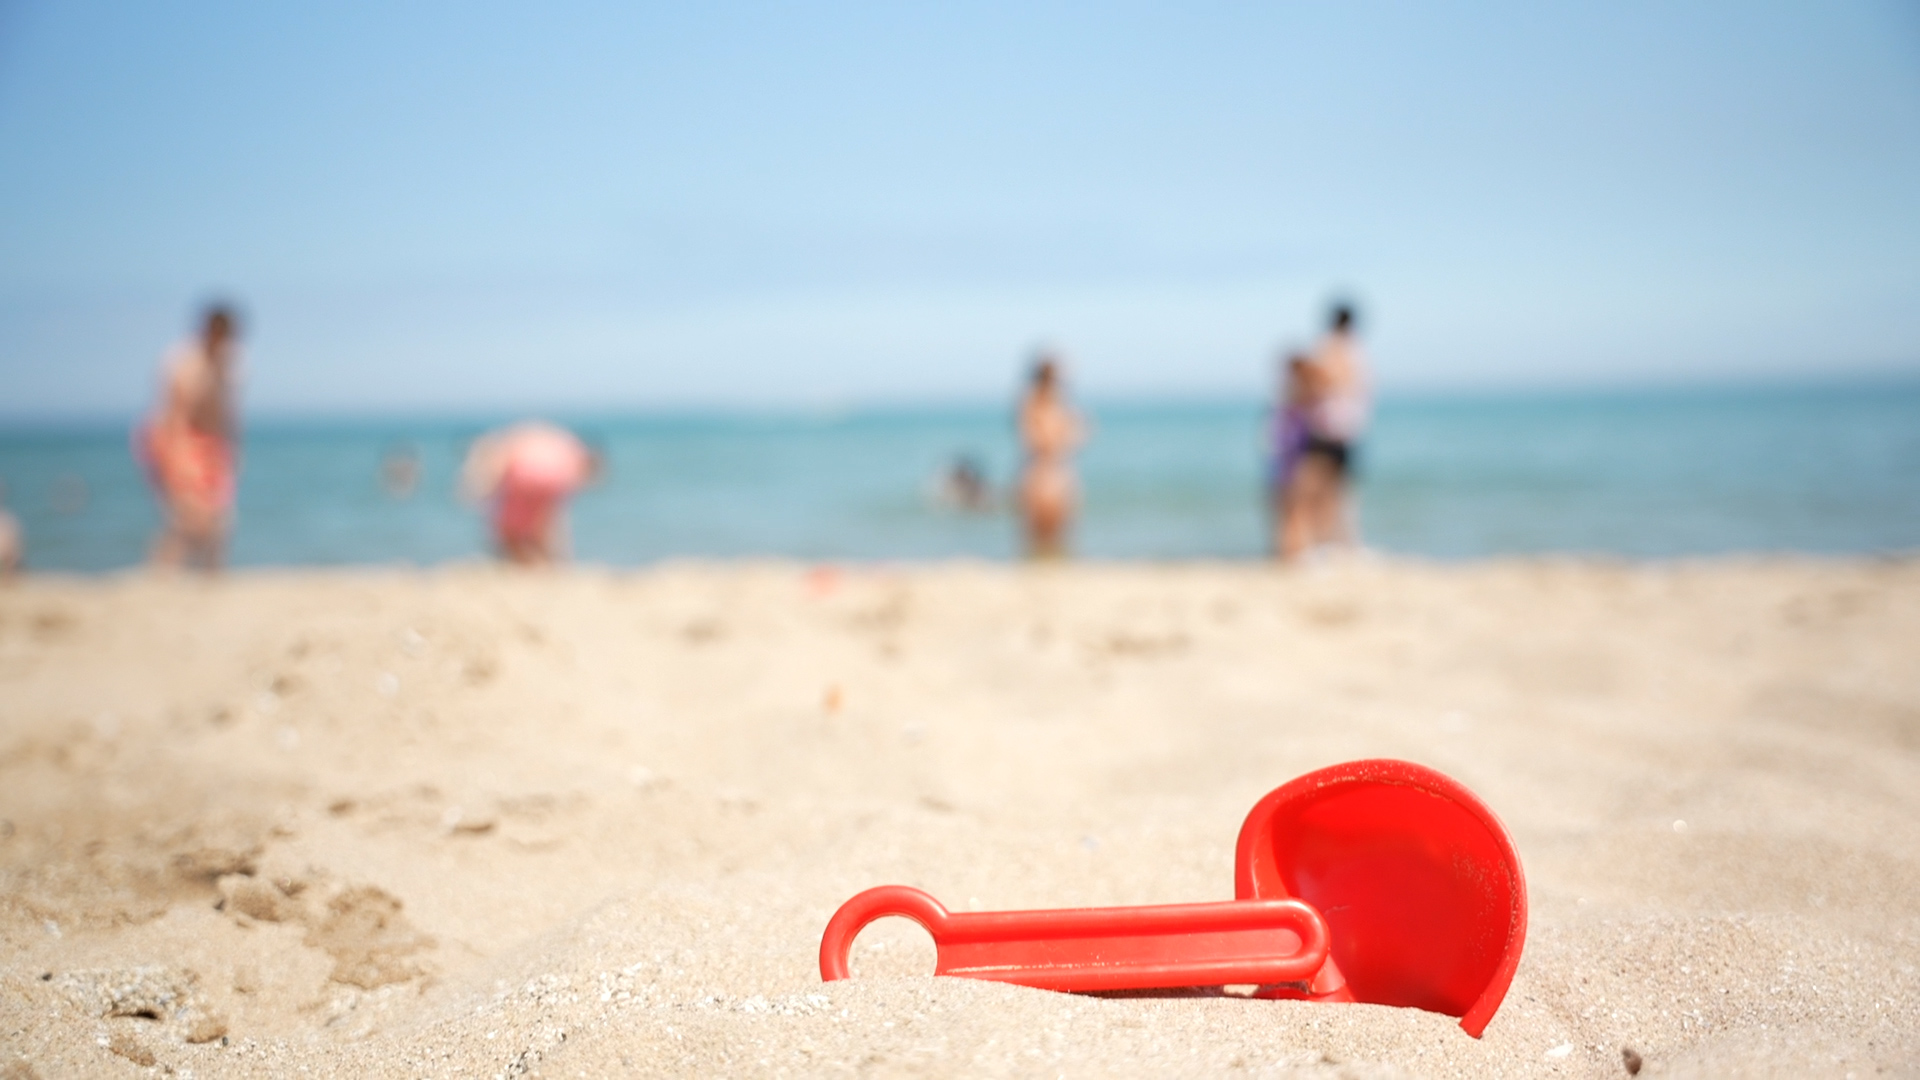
836,945
892,946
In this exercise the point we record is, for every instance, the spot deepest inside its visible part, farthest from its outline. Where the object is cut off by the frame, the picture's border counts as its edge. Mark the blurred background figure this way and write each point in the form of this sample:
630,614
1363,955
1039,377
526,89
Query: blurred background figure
188,444
12,542
1287,436
400,470
1319,503
1050,432
964,486
528,471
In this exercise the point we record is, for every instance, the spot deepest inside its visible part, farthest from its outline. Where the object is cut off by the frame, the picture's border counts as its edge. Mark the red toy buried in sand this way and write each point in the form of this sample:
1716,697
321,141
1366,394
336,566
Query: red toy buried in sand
1375,881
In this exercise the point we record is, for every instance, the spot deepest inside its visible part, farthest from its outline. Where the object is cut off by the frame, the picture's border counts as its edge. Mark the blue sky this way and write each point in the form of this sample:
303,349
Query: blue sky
469,206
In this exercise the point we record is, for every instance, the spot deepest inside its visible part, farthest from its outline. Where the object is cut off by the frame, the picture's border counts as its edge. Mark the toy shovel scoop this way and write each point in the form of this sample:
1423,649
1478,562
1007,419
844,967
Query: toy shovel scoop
1416,878
1376,881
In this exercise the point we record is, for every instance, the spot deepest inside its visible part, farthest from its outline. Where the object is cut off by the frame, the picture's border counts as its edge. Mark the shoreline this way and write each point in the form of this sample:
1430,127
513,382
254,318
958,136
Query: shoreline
1339,562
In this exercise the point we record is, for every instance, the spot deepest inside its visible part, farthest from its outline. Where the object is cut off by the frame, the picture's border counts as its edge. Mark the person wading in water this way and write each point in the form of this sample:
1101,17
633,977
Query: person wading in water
188,445
1050,432
1319,506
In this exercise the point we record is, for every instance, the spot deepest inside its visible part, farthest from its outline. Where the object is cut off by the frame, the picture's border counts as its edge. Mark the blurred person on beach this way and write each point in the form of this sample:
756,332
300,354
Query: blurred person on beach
188,443
529,471
1287,437
1319,502
1050,432
12,540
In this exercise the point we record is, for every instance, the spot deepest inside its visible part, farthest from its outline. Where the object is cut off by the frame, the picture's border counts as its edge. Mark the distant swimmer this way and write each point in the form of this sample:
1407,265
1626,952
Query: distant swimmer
400,471
12,540
68,494
964,486
188,444
529,471
1050,432
1320,506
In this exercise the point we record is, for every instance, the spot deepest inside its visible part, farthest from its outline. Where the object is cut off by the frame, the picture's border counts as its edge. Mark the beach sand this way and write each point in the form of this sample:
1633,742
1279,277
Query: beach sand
475,822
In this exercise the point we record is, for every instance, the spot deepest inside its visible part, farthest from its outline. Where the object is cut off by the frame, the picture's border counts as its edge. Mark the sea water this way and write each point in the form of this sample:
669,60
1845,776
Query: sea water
1833,469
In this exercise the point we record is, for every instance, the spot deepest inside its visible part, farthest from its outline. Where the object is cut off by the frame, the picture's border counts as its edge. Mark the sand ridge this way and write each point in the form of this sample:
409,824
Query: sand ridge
474,822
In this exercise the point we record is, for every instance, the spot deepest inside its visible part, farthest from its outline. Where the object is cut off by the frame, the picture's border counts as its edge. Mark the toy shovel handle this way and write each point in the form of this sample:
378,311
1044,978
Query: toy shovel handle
1086,949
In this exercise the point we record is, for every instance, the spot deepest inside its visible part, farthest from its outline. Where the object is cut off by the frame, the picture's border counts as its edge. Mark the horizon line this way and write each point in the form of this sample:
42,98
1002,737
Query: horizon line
1901,377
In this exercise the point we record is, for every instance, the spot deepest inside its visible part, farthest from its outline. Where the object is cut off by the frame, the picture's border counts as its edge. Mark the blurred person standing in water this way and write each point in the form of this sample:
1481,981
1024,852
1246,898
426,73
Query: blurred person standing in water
528,471
1287,436
1319,505
1050,432
188,444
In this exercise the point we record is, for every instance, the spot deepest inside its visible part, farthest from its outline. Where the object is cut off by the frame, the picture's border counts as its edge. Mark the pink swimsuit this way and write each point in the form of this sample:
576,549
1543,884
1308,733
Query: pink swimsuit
542,470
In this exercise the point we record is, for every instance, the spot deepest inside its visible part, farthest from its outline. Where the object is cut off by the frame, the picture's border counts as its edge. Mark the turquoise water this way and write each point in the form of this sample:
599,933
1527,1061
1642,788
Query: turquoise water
1820,469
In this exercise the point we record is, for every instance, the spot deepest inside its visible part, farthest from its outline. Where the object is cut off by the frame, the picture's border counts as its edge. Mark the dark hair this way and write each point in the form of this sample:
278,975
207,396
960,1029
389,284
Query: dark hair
1046,371
221,315
1341,315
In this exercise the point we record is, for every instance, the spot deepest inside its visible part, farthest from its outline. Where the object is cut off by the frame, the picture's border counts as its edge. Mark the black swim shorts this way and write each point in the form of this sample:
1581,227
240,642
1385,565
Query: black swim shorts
1338,452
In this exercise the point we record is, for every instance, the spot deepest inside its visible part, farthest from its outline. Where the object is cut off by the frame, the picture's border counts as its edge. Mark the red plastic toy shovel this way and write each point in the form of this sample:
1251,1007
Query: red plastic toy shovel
1124,948
1417,879
1376,881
